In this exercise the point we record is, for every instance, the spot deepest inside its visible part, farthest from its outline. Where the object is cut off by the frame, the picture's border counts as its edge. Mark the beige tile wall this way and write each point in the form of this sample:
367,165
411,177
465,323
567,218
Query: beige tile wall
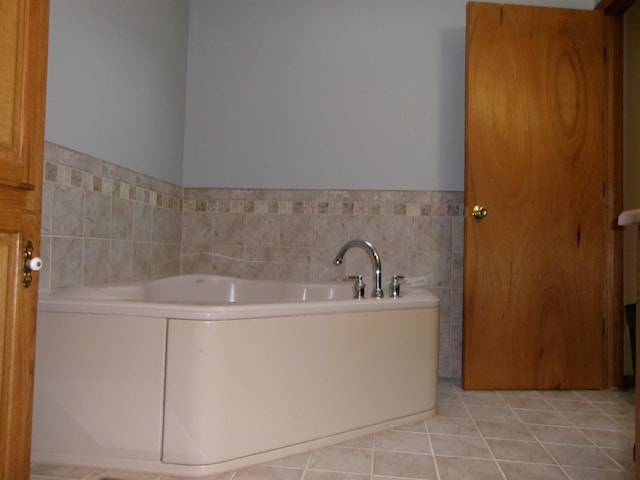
103,223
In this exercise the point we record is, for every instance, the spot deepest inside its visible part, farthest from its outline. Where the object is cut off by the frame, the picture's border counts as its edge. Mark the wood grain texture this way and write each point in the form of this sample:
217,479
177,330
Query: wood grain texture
5,251
535,266
23,46
23,51
17,365
614,154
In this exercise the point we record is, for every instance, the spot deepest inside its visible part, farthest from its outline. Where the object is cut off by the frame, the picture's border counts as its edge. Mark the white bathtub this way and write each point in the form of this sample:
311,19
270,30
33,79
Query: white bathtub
198,374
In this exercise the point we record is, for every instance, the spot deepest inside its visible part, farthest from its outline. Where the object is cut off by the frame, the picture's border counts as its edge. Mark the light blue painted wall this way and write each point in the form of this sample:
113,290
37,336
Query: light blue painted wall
279,93
117,81
349,94
360,94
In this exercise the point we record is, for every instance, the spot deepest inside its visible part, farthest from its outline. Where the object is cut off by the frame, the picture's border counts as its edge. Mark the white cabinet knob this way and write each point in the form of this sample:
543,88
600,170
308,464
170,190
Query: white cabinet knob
35,264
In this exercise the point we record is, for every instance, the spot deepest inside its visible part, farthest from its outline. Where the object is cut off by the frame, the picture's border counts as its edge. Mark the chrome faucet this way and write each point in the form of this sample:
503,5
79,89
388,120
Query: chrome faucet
375,258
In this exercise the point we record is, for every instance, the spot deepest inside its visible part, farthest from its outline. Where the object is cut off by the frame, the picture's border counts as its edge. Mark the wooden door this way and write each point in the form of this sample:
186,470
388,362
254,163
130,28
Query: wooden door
535,266
23,50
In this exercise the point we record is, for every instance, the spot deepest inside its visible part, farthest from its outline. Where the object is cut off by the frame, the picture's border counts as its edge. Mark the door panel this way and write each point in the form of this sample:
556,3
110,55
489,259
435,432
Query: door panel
23,59
14,82
535,266
17,344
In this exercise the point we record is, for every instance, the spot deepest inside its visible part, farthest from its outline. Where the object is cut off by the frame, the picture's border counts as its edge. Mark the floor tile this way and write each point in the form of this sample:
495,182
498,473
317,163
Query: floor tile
609,438
318,475
449,397
263,472
519,393
622,456
404,465
453,410
483,399
576,473
447,387
555,434
543,417
581,456
531,471
296,461
601,395
615,409
498,414
505,430
519,451
475,435
412,427
586,420
456,446
350,460
361,442
453,426
576,406
402,442
532,403
561,394
451,468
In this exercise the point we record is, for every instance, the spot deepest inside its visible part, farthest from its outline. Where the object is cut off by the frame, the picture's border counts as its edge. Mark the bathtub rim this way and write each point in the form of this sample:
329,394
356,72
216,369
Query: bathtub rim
87,299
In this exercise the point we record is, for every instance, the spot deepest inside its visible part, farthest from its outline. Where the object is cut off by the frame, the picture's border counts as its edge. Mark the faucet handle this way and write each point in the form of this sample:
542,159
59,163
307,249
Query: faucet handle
394,286
358,286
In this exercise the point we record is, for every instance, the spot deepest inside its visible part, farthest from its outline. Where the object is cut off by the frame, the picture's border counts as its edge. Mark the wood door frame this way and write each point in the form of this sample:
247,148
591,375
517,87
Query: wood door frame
614,17
614,7
614,14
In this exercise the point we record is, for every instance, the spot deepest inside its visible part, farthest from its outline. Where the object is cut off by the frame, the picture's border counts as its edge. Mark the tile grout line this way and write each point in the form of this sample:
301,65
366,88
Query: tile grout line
575,427
433,453
373,456
307,464
482,436
594,404
525,425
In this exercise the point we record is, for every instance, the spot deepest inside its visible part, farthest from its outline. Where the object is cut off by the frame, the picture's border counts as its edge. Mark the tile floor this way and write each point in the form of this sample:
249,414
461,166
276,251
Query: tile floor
520,435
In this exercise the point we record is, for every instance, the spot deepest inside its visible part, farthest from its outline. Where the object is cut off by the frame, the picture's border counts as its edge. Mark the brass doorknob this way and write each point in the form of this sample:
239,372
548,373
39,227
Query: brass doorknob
479,212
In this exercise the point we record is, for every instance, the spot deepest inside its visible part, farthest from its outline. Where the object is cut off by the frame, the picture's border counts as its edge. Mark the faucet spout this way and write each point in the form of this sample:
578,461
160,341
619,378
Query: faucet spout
375,259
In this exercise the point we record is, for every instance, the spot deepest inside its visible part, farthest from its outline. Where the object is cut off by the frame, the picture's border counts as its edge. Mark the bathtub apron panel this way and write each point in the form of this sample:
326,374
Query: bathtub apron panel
98,386
242,387
245,371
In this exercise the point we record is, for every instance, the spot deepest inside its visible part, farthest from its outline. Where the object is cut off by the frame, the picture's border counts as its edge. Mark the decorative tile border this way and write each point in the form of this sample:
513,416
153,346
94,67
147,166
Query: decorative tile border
95,175
369,203
66,167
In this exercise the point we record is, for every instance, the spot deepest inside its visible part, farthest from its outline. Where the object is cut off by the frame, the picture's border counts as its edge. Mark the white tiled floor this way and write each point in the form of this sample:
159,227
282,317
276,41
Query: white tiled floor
520,435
